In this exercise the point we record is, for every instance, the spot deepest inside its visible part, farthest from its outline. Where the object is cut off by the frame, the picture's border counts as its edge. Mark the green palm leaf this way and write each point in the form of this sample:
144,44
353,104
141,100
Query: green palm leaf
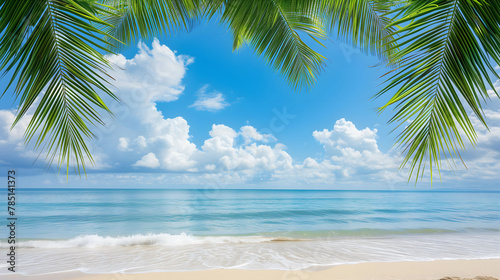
131,20
51,48
363,23
448,49
272,29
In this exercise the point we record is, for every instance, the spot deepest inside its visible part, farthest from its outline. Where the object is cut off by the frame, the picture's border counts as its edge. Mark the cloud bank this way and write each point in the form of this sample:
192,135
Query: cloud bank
141,144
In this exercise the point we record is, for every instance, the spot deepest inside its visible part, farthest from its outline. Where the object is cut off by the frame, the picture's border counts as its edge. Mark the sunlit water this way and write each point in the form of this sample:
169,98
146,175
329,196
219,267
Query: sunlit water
175,230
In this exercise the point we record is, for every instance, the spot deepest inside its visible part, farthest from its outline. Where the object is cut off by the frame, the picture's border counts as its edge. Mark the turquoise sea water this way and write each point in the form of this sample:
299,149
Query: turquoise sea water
161,230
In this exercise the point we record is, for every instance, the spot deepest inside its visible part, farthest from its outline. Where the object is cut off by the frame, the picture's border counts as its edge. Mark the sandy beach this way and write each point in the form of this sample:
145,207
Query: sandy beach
426,270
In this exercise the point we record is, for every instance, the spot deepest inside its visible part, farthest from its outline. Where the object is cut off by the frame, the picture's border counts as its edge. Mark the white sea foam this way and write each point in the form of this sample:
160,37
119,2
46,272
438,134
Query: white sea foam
94,241
167,252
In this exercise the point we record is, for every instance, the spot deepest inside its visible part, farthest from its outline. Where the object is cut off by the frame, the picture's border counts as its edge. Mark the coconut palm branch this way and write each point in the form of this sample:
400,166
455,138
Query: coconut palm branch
133,20
447,53
273,28
363,23
52,50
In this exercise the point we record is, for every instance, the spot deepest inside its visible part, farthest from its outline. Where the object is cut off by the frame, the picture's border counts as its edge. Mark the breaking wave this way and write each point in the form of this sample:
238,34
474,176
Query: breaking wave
164,239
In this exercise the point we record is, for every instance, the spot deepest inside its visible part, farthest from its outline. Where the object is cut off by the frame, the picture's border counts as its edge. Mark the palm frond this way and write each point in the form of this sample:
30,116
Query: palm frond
272,29
448,49
131,20
363,23
51,49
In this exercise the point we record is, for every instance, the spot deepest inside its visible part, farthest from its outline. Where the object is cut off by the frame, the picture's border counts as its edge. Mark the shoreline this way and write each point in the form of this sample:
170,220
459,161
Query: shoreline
405,270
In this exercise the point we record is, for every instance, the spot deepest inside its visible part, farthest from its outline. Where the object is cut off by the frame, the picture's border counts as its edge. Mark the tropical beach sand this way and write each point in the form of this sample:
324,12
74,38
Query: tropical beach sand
424,270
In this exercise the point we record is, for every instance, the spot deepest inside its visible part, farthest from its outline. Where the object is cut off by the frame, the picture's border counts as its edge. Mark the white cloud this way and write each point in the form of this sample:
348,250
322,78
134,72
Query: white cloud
250,134
212,101
148,160
123,144
15,135
141,142
351,157
145,137
220,130
11,141
151,75
222,152
346,135
355,151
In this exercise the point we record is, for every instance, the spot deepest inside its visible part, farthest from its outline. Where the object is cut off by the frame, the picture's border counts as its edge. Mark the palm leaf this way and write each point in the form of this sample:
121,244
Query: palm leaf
51,49
448,49
363,23
131,20
272,29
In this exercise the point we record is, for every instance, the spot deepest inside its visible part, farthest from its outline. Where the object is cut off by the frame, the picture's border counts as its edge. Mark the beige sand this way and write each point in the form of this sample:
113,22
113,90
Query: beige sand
431,270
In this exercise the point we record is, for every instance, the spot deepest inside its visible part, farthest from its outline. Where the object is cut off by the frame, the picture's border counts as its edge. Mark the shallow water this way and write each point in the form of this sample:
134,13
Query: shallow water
174,230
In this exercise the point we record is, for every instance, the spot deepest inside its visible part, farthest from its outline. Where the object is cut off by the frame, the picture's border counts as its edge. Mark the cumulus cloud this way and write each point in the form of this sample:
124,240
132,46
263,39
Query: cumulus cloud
221,152
11,141
355,149
148,160
209,101
351,156
345,135
141,135
250,134
14,136
153,74
123,144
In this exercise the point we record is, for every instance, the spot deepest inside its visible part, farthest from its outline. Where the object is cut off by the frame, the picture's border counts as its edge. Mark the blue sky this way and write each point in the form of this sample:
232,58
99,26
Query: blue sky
197,113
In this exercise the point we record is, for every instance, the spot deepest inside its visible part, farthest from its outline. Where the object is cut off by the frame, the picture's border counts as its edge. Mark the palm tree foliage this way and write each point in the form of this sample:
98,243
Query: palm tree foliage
270,27
446,58
52,49
440,53
362,23
132,20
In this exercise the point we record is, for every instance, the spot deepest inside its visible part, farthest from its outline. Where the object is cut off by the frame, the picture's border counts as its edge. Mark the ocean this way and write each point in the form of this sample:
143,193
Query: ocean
146,230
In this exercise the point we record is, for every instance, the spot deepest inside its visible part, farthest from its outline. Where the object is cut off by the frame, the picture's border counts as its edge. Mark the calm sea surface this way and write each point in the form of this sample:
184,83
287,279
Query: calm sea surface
99,230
